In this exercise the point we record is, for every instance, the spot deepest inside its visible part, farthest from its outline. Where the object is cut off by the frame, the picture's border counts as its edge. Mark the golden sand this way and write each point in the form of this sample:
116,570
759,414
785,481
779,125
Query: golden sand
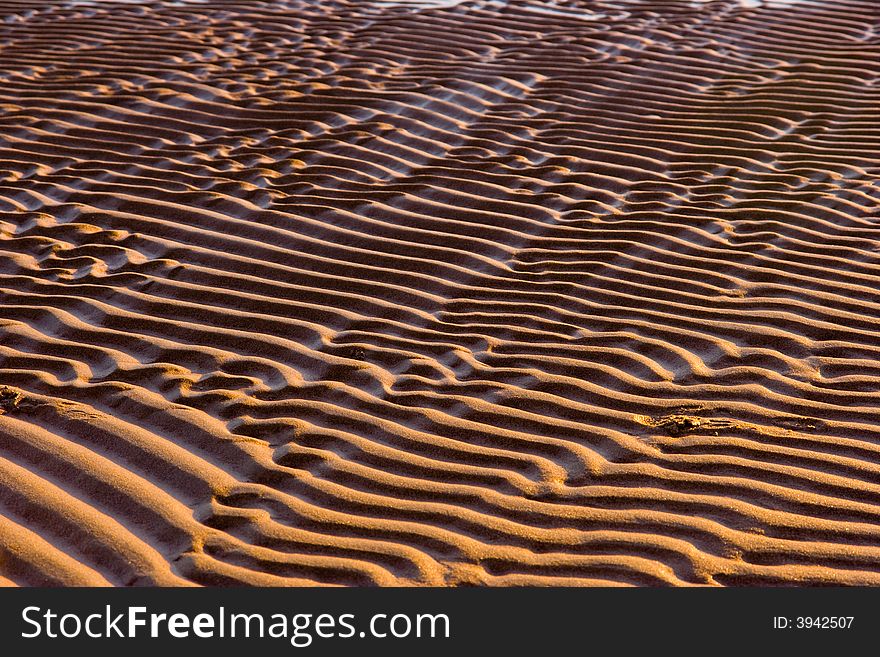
355,293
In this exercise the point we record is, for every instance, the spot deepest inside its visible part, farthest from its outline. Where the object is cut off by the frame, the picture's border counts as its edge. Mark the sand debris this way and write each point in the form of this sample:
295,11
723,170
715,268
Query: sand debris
9,399
677,425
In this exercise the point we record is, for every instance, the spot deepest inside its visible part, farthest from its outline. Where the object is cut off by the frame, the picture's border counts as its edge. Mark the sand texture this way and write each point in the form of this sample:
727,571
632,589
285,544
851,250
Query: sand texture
412,293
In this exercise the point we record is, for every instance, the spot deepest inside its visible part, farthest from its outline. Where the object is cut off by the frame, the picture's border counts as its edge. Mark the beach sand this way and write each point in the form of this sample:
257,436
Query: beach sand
440,293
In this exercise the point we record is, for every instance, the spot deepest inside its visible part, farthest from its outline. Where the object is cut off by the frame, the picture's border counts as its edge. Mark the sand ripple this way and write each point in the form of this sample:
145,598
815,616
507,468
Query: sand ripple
487,292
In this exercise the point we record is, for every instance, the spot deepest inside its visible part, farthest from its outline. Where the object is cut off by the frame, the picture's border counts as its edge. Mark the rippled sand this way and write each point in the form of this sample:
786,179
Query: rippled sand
480,292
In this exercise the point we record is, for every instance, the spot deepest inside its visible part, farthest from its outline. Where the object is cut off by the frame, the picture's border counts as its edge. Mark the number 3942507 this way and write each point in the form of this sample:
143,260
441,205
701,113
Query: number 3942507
813,622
